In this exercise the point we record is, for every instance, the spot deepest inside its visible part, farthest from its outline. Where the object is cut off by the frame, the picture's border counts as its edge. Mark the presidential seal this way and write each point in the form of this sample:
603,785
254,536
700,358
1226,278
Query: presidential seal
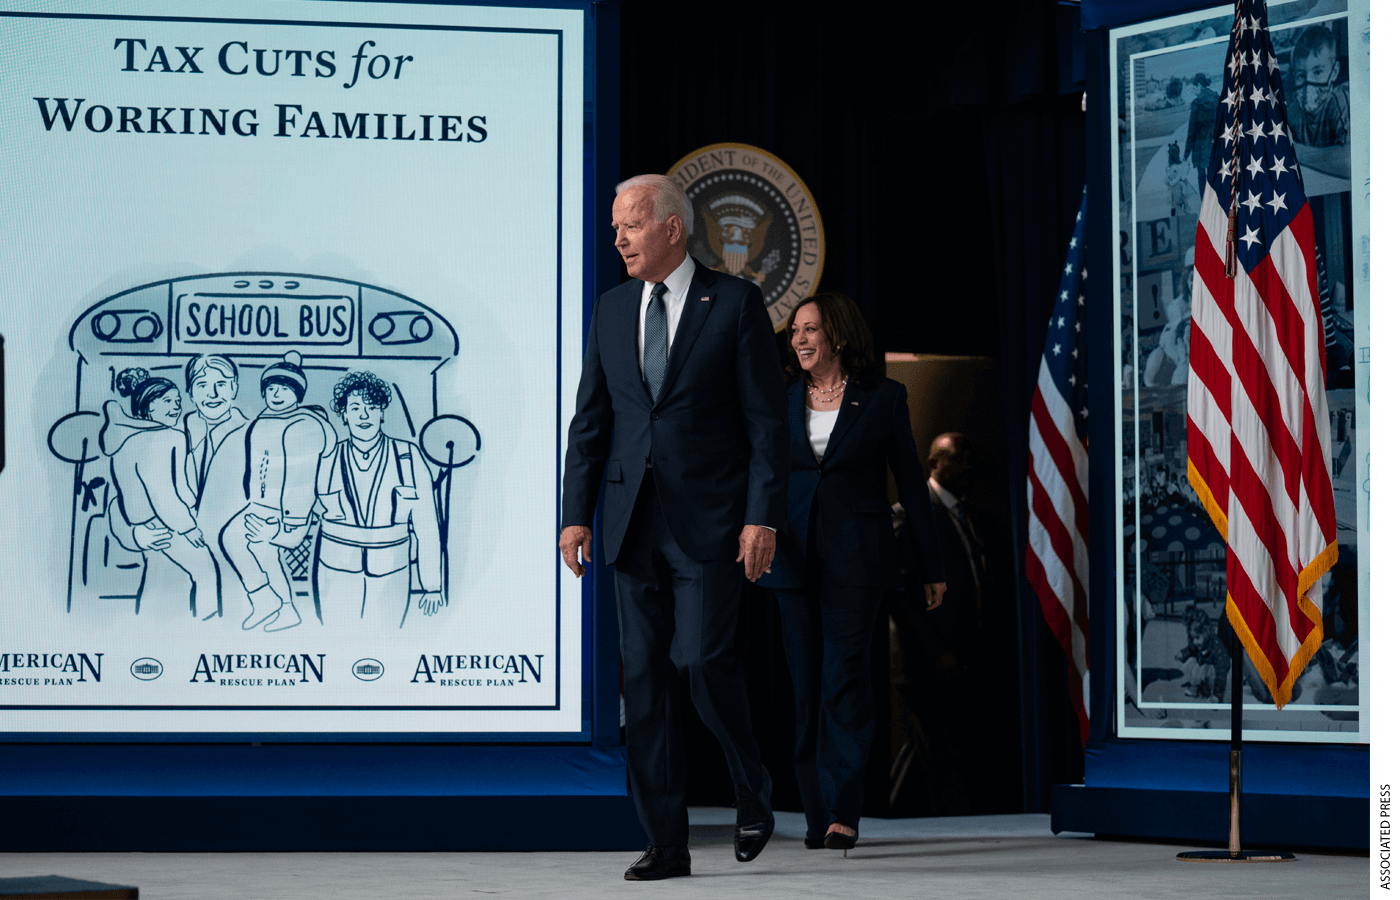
754,218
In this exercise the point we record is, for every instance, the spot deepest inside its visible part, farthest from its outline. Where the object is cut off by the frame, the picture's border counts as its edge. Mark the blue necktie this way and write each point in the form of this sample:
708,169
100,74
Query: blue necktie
654,342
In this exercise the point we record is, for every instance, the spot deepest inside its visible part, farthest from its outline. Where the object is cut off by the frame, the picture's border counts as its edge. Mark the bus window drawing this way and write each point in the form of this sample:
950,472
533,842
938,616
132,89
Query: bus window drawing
246,505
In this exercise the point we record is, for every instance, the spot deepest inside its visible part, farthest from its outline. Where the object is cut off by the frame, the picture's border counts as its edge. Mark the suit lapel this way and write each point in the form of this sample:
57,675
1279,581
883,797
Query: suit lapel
853,404
693,317
797,422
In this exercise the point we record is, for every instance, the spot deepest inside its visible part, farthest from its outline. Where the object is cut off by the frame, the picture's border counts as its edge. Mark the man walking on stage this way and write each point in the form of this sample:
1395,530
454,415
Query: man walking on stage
681,382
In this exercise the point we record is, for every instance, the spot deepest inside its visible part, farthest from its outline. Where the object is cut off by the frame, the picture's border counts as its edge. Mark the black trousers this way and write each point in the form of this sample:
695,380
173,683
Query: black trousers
826,632
677,617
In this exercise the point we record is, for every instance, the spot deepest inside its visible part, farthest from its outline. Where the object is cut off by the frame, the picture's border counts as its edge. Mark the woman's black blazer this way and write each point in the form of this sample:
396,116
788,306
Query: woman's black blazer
856,541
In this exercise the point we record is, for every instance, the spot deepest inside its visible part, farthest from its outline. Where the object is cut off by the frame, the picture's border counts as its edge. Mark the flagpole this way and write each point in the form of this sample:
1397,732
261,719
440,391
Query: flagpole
1236,741
1251,278
1234,853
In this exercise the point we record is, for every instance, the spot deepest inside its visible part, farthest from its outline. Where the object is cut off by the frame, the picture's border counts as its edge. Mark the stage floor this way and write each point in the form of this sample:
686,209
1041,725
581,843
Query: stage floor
968,858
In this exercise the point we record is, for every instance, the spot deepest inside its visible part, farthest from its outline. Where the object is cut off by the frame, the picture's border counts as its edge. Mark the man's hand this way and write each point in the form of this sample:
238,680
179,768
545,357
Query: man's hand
933,594
260,530
151,536
573,540
756,548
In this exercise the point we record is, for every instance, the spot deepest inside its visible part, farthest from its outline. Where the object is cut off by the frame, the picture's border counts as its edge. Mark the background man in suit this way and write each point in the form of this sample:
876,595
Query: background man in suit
943,648
950,464
681,381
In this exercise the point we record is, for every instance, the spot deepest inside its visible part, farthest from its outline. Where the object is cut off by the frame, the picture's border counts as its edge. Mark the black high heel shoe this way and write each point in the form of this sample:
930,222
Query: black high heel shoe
836,840
814,843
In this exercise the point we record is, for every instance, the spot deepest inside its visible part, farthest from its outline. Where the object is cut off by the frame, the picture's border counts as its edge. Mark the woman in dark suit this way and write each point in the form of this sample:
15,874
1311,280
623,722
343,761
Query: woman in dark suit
837,553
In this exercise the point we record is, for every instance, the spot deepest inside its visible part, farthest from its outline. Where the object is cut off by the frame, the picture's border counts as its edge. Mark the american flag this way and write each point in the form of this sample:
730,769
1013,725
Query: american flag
1258,453
1057,556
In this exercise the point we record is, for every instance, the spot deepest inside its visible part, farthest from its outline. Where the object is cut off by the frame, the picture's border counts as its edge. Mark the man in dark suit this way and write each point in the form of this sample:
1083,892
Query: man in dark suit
950,463
943,647
681,409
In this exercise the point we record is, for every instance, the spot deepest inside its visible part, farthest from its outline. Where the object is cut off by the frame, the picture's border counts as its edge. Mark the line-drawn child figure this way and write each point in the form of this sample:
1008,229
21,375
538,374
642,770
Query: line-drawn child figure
148,468
282,451
380,512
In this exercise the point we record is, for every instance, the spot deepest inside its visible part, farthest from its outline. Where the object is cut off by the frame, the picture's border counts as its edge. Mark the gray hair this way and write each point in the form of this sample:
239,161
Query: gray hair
198,364
669,200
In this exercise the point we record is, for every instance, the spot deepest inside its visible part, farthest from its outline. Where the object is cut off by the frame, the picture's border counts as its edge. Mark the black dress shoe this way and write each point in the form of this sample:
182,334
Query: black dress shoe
814,843
753,825
658,863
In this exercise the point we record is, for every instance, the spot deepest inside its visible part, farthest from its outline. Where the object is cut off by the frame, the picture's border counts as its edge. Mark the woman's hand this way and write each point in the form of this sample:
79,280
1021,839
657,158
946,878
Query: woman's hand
933,594
195,537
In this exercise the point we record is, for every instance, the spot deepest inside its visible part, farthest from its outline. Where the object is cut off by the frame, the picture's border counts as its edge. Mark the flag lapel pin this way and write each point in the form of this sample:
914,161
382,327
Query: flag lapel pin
704,299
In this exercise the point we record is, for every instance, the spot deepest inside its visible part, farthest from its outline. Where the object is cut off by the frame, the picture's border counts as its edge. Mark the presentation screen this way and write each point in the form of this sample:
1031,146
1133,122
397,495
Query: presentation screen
291,317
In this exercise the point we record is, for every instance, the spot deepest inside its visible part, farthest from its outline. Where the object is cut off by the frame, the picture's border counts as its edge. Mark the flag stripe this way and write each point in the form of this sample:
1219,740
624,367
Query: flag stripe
1251,450
1254,382
1058,582
1212,373
1061,422
1279,325
1059,623
1056,465
1298,270
1258,619
1055,459
1059,550
1269,567
1317,482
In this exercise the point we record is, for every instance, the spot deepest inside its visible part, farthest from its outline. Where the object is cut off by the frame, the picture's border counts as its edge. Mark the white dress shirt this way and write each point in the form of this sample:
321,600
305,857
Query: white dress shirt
820,422
677,284
938,493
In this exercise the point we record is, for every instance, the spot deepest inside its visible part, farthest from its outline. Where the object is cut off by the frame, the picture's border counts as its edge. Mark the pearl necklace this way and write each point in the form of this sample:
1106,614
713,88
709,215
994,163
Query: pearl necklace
830,395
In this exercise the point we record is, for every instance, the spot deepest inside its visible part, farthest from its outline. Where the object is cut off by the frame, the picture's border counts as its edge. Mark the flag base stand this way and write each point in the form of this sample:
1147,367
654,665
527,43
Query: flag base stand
1235,854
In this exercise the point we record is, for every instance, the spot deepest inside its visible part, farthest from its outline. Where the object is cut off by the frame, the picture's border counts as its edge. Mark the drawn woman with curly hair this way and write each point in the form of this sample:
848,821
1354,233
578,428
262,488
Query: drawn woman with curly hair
381,514
147,449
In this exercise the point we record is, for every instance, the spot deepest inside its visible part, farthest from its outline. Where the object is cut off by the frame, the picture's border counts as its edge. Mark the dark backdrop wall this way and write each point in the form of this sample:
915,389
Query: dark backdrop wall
945,149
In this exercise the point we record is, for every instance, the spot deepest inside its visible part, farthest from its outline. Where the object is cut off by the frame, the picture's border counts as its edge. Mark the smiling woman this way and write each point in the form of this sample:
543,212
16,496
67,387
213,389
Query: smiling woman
837,555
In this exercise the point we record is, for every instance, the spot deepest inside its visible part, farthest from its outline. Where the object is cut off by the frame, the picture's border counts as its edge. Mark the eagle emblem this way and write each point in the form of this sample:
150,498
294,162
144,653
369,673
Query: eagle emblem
736,228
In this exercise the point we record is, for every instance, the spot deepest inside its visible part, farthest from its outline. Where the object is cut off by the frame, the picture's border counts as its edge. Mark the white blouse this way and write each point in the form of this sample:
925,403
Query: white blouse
819,425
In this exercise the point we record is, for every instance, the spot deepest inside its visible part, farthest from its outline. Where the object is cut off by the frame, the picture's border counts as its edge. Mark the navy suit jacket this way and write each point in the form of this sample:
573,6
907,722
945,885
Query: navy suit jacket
856,542
716,437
